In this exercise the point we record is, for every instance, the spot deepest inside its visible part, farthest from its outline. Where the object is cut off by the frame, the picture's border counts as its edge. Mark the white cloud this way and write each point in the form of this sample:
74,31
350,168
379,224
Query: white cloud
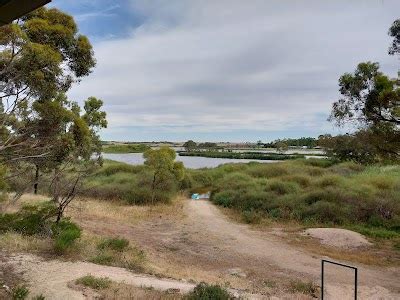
211,66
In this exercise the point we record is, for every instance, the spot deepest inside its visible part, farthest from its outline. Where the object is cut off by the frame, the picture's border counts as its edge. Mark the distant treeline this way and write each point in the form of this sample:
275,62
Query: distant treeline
125,148
308,142
242,155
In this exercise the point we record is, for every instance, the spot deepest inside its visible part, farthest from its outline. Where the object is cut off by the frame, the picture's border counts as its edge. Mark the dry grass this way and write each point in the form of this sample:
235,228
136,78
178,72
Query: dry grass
15,242
381,254
124,291
84,208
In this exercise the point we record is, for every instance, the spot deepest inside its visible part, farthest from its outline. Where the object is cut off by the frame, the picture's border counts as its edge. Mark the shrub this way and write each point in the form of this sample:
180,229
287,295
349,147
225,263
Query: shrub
303,180
65,234
281,187
103,259
116,244
251,217
94,282
30,220
329,180
19,293
204,291
268,170
326,212
319,162
307,288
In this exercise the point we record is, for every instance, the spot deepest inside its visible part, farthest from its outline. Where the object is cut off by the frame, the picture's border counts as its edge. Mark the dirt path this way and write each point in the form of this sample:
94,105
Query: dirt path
51,277
269,250
206,245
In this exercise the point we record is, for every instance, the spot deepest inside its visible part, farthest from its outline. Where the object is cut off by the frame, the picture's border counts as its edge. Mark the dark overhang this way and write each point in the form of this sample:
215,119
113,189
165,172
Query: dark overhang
11,10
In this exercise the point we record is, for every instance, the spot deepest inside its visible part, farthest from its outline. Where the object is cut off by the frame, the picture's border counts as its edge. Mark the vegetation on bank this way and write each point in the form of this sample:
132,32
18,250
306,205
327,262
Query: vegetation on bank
312,192
242,155
157,181
125,148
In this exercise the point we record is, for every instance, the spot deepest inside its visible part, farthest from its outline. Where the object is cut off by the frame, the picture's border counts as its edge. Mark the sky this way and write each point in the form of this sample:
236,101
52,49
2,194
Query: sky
226,70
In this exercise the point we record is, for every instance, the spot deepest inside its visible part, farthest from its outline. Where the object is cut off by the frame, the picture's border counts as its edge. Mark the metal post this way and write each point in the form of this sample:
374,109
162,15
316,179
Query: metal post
342,265
322,279
355,284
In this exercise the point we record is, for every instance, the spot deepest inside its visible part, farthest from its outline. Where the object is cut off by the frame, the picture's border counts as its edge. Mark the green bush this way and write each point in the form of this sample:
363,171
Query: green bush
280,187
307,288
311,192
30,220
65,234
251,217
94,282
204,291
117,244
19,293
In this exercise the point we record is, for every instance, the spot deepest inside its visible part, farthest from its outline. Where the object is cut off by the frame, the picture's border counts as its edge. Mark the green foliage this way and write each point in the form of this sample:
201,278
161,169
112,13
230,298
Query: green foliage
117,244
19,293
344,194
65,234
30,220
307,288
190,145
125,148
394,32
94,282
242,155
117,252
166,174
204,291
308,142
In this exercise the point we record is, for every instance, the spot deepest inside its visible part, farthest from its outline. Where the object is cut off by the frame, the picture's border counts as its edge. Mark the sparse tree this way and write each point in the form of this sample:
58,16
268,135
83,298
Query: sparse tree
281,146
41,55
190,145
164,168
394,32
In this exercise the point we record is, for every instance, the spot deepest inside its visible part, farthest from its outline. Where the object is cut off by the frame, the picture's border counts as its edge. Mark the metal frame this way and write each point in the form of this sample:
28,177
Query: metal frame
13,9
342,265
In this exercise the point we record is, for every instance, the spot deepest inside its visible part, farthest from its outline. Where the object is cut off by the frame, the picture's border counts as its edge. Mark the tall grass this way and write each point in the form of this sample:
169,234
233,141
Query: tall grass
131,184
310,191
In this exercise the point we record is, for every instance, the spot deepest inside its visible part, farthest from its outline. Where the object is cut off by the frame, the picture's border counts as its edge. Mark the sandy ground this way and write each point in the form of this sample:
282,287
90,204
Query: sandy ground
337,237
206,245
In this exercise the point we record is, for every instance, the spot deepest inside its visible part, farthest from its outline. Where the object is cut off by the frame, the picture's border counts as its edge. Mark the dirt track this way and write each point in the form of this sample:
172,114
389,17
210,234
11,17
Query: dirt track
206,245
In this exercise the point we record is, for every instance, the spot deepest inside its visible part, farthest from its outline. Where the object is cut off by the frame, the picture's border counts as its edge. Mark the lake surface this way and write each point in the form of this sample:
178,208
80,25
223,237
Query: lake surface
191,162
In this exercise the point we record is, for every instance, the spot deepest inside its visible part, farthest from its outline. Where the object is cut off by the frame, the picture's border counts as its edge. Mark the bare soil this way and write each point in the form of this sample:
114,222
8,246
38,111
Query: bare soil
337,237
207,245
197,242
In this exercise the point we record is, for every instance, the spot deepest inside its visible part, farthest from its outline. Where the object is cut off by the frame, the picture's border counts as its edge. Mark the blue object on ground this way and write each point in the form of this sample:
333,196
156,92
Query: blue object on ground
195,196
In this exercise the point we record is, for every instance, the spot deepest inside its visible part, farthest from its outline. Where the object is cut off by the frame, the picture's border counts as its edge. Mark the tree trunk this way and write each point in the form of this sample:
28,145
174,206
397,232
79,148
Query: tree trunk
35,186
153,187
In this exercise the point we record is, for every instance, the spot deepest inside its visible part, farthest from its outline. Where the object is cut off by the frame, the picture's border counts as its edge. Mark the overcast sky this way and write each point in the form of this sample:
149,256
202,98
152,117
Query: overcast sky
226,70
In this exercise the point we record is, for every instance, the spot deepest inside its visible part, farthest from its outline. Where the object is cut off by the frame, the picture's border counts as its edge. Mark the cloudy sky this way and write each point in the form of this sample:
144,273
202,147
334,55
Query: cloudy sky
226,70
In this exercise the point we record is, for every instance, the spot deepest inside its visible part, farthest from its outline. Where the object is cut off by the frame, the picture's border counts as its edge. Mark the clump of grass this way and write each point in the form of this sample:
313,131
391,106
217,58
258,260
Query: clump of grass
251,217
268,171
281,187
19,292
93,282
302,180
307,288
118,253
65,235
117,244
205,291
329,180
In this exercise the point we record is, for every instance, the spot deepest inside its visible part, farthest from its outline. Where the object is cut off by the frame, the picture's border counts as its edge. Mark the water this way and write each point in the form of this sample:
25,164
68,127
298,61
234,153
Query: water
191,162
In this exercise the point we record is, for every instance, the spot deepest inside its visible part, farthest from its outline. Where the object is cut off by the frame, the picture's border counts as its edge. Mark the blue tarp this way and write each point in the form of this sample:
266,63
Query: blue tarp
197,196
